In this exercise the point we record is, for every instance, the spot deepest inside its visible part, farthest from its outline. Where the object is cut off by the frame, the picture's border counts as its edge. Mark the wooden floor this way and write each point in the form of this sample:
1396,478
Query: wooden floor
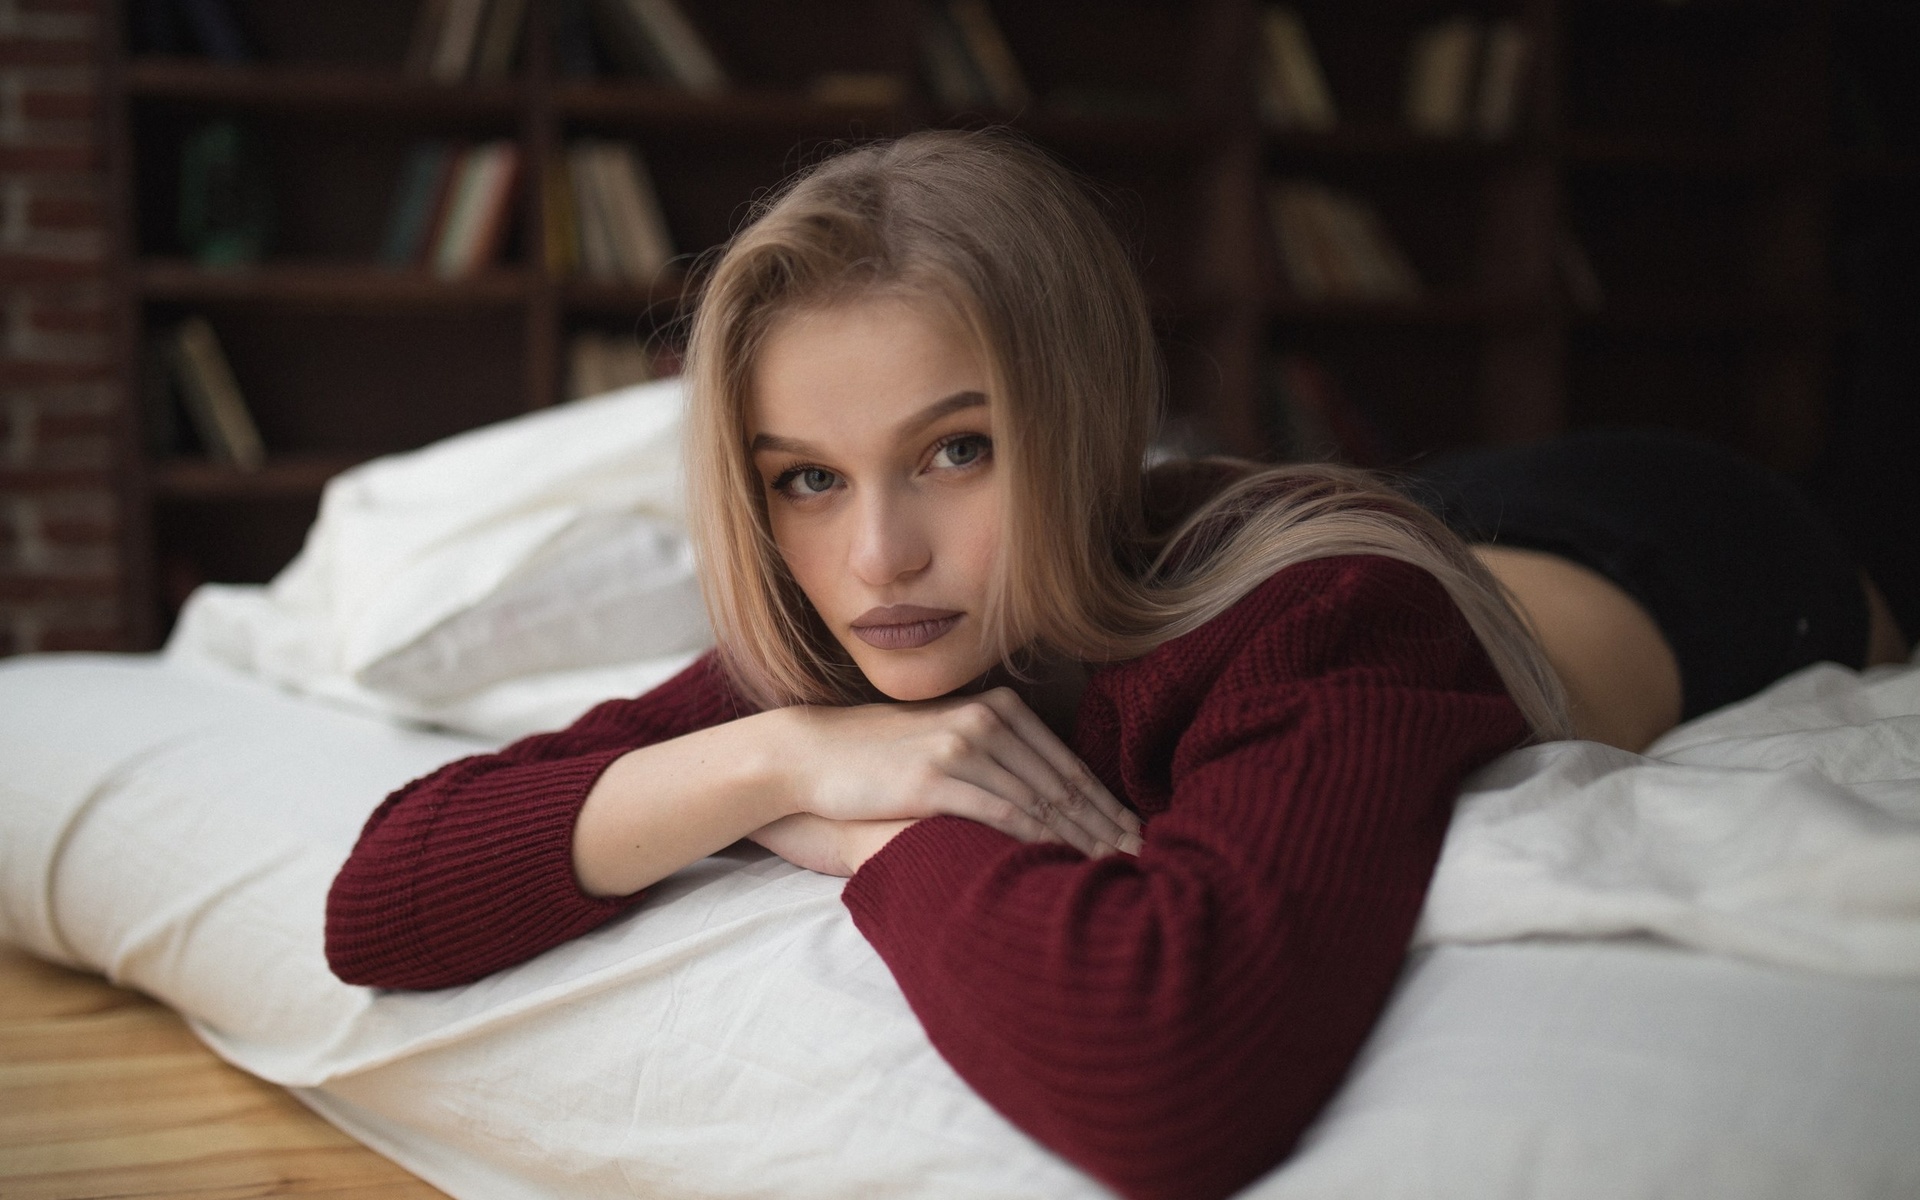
104,1093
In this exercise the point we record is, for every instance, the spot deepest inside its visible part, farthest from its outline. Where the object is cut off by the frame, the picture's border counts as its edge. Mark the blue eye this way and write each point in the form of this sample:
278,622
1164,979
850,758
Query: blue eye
964,451
805,481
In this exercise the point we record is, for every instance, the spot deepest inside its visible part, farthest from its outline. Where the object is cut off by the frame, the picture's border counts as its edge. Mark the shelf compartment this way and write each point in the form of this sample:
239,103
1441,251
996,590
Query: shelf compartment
344,285
284,476
314,90
1436,311
668,110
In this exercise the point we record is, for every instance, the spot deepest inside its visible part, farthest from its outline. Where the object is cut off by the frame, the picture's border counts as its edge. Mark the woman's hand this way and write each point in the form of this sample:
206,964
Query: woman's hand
985,757
824,845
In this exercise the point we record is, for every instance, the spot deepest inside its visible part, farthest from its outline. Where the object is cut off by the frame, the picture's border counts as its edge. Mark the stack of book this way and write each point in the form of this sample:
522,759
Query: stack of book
602,362
1317,421
1465,76
1293,89
195,369
604,218
651,39
1334,246
460,41
967,59
450,212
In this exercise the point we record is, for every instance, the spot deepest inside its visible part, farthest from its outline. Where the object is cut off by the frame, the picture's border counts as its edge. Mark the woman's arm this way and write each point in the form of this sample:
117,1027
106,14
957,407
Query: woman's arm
1172,1023
495,858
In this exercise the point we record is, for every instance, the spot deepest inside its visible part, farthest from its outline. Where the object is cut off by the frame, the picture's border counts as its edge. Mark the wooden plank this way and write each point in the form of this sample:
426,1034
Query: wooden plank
106,1093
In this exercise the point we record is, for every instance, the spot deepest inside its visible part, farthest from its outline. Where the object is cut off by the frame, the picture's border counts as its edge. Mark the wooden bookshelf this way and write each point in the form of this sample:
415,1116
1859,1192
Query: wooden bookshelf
1689,150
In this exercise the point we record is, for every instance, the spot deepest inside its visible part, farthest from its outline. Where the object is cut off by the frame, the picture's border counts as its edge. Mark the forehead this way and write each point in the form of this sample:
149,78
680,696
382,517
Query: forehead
860,363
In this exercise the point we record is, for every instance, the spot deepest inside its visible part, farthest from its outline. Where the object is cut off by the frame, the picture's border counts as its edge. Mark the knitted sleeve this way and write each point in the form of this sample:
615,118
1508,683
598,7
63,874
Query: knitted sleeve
470,869
1171,1023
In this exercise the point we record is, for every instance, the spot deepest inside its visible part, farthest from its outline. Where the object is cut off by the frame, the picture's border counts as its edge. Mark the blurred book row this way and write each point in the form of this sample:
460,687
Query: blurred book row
193,407
1464,75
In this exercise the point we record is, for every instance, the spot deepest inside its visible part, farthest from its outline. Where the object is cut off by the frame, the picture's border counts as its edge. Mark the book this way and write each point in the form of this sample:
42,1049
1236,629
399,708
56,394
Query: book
635,225
459,35
562,233
993,60
428,20
1440,75
1334,246
654,39
479,197
225,215
599,362
596,250
416,203
212,397
952,75
499,40
1293,89
1503,68
690,62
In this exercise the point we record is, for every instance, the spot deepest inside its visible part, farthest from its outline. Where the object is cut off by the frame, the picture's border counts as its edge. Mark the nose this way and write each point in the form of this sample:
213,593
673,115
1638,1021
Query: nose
889,540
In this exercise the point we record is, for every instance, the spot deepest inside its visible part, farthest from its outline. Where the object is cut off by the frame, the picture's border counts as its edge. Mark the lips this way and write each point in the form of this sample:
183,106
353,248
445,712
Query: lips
904,626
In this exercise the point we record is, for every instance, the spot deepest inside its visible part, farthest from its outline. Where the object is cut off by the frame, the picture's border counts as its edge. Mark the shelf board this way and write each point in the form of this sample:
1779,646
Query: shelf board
1696,315
666,109
1436,310
1390,144
1681,154
622,299
310,89
287,476
349,285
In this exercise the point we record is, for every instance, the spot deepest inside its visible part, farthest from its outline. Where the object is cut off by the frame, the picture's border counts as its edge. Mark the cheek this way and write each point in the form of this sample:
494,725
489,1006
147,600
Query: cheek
804,550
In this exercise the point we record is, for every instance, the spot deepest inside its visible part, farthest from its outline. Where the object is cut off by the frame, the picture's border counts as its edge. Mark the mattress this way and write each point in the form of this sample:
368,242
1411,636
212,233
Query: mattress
1607,1023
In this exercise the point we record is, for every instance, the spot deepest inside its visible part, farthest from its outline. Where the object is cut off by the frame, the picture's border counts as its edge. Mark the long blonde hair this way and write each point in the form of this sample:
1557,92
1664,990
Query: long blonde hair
1006,242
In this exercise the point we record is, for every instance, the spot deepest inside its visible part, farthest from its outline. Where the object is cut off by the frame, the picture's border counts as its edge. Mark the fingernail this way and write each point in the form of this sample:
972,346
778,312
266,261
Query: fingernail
1137,844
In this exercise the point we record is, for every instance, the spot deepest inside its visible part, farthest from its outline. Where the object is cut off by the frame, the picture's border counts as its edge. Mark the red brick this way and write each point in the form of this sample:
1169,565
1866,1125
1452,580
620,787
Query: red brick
78,158
65,318
46,52
17,269
15,373
59,7
28,480
65,212
62,104
30,589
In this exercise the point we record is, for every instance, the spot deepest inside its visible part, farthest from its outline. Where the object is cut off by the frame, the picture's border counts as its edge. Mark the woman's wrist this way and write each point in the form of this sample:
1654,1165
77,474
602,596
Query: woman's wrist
864,839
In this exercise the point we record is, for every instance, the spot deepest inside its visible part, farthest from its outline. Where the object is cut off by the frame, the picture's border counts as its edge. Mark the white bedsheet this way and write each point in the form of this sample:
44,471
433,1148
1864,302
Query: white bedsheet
177,829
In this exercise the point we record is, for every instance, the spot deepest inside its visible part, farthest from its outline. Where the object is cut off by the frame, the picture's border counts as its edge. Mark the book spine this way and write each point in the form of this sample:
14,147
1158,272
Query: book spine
1502,72
428,21
214,399
1297,93
464,190
640,205
596,240
951,74
562,234
992,57
1440,75
1289,204
499,40
625,42
495,207
413,205
453,54
689,61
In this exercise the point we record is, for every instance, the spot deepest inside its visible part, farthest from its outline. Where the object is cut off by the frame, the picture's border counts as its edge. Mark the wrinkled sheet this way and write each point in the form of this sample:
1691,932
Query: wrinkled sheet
177,829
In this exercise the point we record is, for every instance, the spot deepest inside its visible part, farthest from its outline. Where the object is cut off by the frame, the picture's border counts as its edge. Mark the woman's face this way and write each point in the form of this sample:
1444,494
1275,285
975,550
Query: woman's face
871,433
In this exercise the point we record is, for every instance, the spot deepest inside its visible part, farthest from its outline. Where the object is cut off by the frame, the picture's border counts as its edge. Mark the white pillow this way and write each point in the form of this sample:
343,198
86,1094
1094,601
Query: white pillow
613,588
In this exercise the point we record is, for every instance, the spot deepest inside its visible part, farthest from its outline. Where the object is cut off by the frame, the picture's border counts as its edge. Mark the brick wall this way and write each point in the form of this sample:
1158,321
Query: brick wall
60,396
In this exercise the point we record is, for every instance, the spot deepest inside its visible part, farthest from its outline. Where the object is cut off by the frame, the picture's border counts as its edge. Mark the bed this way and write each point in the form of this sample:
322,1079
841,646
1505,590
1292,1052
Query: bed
1695,972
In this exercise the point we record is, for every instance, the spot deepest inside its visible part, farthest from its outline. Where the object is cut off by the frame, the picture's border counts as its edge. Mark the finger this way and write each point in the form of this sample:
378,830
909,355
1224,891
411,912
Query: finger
960,798
992,776
1034,732
1066,806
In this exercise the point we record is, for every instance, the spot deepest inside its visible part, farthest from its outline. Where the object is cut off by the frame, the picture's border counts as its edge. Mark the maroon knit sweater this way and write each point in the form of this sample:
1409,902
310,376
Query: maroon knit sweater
1170,1023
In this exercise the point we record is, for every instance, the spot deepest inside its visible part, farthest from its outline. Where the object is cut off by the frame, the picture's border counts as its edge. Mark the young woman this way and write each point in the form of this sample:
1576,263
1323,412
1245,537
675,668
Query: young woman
1139,778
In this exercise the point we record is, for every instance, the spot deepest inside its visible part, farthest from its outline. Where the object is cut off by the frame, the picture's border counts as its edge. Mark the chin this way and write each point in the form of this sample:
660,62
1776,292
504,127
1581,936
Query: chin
905,681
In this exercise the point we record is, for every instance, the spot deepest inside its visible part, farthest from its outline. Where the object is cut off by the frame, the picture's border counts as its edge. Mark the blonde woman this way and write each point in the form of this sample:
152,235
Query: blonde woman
1139,778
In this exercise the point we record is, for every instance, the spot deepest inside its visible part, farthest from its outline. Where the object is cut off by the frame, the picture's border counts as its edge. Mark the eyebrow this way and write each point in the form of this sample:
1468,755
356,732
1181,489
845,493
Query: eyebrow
958,402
